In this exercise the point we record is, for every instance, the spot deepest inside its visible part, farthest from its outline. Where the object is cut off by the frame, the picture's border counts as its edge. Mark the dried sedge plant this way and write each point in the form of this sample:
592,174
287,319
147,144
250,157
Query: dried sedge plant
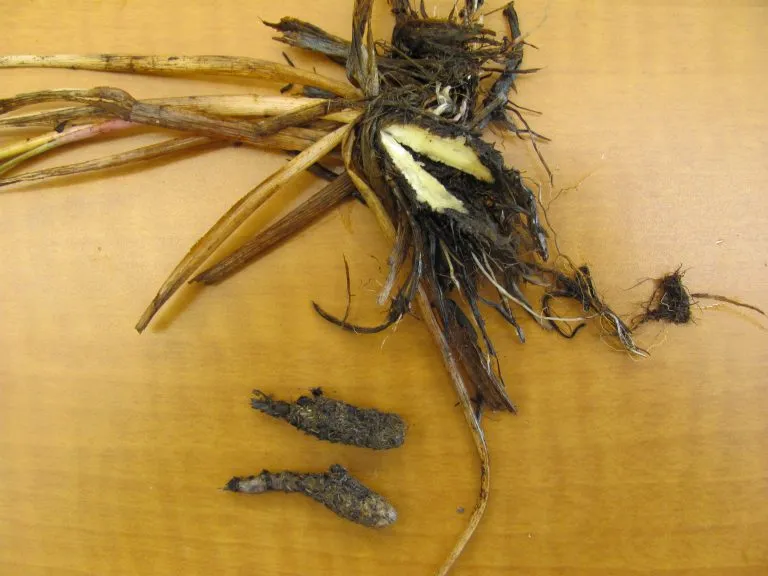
408,128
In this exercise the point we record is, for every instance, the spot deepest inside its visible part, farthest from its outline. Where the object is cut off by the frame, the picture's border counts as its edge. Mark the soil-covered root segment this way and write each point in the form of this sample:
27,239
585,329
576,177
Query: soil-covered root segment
336,489
335,421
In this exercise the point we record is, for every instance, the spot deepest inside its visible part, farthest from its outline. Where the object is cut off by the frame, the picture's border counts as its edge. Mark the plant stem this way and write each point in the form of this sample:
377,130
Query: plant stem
217,65
35,146
139,154
119,103
235,217
253,105
295,221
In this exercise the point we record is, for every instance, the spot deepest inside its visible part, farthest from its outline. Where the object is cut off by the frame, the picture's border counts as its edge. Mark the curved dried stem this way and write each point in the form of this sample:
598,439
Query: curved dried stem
29,148
137,155
50,118
235,217
289,139
474,426
217,65
295,221
372,201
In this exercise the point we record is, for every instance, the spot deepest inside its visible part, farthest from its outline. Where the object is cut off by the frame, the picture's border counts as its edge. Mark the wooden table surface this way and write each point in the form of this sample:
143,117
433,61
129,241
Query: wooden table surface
113,446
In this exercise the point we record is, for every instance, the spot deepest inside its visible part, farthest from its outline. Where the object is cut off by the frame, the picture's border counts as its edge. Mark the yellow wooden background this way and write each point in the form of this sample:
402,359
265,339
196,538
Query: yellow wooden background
113,445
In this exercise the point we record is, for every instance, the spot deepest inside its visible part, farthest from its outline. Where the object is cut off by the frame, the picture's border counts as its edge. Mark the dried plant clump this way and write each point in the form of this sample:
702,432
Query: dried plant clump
410,133
408,128
671,301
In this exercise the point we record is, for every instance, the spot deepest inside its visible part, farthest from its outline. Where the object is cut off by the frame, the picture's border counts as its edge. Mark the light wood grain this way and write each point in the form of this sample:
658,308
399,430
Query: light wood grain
113,445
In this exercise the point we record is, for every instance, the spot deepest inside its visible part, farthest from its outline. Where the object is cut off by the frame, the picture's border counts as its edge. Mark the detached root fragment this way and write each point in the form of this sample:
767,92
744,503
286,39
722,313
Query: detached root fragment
731,301
335,421
336,489
671,301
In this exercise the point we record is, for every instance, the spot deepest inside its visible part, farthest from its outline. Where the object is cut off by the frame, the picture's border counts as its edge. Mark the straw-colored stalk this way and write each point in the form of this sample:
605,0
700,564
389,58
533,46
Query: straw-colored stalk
289,140
235,217
119,103
234,105
184,65
293,222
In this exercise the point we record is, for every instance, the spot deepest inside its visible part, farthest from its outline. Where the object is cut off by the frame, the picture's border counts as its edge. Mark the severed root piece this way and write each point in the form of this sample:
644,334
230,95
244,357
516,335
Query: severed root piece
671,301
335,421
336,489
731,301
